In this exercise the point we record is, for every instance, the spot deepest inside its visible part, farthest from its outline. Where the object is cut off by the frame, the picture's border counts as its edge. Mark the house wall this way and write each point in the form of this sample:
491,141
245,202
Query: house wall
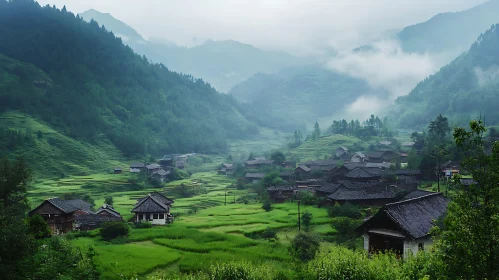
366,242
412,246
135,170
140,217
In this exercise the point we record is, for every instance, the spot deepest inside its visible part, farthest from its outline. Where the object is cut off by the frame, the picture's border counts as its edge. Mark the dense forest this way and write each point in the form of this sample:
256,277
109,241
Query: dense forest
90,86
464,89
297,96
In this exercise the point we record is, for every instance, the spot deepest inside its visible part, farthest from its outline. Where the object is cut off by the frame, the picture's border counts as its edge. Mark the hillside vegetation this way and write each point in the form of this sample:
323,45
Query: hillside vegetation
465,88
93,88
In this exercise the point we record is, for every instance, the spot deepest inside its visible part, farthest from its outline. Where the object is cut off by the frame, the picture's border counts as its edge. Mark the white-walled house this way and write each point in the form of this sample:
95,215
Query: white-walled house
153,208
358,157
136,167
404,227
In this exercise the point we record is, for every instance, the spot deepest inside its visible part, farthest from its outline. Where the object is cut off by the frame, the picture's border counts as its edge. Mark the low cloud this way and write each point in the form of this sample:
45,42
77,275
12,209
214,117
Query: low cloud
487,77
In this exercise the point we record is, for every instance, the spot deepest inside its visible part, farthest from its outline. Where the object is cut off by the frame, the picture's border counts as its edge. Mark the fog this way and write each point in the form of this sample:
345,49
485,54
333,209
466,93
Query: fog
297,26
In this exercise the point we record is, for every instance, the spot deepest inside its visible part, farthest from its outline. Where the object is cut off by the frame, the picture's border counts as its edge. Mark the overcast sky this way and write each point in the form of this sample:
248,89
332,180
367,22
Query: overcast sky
292,25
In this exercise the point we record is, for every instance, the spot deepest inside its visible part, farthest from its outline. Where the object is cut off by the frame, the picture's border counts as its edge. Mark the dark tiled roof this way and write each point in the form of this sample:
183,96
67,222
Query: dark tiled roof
69,206
342,148
286,173
378,165
137,165
415,216
281,188
353,165
406,172
377,154
304,168
153,166
94,219
354,185
260,162
109,209
227,165
360,154
326,162
329,188
162,172
346,194
408,144
255,175
117,169
364,172
416,194
154,202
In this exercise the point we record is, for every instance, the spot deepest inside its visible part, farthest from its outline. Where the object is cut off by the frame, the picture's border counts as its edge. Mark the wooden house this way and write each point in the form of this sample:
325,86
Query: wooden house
404,227
108,210
136,167
322,165
286,175
358,157
226,169
450,168
117,170
105,213
258,163
302,172
289,164
254,177
382,156
364,174
361,196
161,174
153,167
340,151
327,189
153,208
279,194
59,214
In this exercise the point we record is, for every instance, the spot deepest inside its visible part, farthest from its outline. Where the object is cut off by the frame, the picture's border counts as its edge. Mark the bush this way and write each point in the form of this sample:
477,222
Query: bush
38,227
143,225
304,247
269,234
307,198
111,230
109,200
345,226
267,206
346,210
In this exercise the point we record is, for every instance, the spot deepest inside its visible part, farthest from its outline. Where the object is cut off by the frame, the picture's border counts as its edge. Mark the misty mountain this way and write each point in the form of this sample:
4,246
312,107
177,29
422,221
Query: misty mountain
221,63
296,97
95,89
466,88
449,32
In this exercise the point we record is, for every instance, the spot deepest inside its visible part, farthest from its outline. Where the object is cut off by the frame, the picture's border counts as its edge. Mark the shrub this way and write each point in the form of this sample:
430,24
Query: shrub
307,198
269,234
143,225
267,205
344,225
236,270
346,210
38,227
304,247
109,200
111,230
306,219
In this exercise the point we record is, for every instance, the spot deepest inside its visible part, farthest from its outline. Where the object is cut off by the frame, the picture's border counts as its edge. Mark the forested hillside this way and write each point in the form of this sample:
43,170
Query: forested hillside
467,87
449,31
91,87
221,63
299,96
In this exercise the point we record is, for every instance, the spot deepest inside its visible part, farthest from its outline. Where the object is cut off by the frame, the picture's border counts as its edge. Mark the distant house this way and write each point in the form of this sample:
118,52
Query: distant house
385,143
258,163
280,194
60,214
451,168
161,174
226,169
323,165
340,151
361,196
167,162
153,167
382,156
180,165
408,144
404,227
403,158
117,170
286,175
302,171
105,213
108,210
254,177
358,157
289,164
339,173
327,189
154,208
364,174
382,165
136,167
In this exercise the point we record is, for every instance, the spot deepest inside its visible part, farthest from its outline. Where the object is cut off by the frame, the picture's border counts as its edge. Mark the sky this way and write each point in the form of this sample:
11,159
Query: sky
296,26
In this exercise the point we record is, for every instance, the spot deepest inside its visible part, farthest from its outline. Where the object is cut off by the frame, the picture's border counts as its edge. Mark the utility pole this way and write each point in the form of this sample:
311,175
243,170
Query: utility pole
299,220
225,203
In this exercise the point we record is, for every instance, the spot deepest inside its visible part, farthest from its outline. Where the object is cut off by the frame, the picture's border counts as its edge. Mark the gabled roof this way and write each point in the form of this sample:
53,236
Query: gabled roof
375,154
326,162
227,165
346,194
286,173
360,154
118,169
408,144
70,206
153,202
94,219
161,172
328,188
364,172
342,148
281,188
385,143
304,168
355,185
416,194
415,216
260,162
406,172
137,165
353,165
153,166
378,164
109,209
255,175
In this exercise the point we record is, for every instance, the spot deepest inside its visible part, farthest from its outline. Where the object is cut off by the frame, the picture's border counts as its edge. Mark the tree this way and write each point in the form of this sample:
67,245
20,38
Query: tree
251,156
109,200
278,157
269,234
267,205
469,240
38,227
439,127
16,244
306,219
304,247
317,131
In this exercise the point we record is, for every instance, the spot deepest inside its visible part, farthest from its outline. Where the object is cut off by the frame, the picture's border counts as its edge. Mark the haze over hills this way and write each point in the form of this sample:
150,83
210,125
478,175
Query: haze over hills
94,89
467,87
221,63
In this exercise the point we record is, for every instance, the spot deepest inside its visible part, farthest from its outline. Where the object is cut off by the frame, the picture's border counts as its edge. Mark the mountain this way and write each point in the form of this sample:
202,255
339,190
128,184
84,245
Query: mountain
221,63
87,85
467,87
449,32
296,97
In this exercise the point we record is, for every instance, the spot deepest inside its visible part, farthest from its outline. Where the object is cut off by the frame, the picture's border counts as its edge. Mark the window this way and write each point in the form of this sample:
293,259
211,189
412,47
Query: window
421,246
155,216
161,216
148,216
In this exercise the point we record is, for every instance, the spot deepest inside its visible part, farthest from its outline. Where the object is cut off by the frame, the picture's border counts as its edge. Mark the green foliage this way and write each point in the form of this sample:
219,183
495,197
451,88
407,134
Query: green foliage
108,200
111,230
269,234
267,205
278,157
306,219
307,198
347,210
140,107
373,126
317,132
143,224
304,247
471,226
345,226
38,227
